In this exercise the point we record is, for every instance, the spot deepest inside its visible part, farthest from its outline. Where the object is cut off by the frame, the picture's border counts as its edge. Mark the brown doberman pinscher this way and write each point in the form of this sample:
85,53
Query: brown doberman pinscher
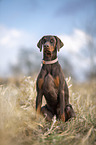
51,83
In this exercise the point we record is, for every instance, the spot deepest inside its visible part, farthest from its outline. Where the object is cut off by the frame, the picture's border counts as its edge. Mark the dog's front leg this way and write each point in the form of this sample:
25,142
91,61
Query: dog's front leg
39,101
62,104
39,84
39,88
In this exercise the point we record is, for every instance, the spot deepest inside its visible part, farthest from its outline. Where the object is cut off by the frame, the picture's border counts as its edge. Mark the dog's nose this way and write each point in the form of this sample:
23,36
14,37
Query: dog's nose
46,46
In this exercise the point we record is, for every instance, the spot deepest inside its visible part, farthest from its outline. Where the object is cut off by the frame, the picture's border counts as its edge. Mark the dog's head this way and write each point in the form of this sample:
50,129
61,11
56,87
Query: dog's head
50,46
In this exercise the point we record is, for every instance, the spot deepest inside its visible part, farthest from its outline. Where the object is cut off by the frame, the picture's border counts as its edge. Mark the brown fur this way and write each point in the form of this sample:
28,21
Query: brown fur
40,83
51,83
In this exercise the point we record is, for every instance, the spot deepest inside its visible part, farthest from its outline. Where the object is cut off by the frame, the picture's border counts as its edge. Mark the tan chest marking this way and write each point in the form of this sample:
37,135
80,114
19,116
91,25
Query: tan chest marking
40,83
56,81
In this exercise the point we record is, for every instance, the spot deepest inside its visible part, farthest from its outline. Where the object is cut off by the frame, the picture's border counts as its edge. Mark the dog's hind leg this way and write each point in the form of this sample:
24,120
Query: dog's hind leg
46,113
69,112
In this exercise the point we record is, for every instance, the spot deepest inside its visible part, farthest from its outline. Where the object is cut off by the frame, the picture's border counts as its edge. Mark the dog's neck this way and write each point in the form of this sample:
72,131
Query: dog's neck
50,60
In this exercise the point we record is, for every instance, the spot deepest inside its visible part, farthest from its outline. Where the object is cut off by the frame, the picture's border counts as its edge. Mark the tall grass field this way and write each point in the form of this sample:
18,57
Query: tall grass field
20,125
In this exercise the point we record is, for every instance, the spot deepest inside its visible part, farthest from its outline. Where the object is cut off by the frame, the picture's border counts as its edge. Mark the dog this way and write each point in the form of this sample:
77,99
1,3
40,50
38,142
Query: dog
51,82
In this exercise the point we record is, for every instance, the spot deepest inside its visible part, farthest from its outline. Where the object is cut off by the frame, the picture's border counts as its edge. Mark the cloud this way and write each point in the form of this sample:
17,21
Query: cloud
14,38
75,41
75,46
11,41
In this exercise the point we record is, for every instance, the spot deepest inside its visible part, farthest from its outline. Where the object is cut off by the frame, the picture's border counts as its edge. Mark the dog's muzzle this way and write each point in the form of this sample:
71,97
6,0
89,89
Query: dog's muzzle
46,46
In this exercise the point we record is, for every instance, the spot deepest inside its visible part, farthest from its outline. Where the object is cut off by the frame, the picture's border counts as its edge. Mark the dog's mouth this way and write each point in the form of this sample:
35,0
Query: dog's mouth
47,53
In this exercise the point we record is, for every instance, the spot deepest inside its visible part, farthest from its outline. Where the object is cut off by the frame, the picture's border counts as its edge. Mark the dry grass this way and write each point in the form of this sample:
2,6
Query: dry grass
19,124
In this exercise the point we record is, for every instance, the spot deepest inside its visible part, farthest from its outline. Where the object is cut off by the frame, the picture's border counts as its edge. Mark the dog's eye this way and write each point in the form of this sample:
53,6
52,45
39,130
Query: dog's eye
44,40
51,40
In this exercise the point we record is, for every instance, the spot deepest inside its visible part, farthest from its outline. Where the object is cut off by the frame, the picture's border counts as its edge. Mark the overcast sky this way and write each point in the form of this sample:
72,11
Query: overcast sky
24,22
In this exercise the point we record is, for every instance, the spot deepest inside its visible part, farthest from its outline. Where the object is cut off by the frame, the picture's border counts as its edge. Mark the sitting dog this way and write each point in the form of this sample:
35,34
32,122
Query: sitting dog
51,83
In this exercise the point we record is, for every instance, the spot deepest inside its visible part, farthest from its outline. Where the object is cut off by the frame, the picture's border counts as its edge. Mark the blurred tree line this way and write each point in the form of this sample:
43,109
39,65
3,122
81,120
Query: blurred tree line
29,63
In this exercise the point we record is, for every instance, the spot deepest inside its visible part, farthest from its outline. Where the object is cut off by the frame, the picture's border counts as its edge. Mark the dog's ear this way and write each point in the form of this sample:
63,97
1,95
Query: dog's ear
59,43
39,44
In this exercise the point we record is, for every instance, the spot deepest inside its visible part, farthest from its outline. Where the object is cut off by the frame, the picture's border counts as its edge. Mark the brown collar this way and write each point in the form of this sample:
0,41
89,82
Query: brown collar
50,62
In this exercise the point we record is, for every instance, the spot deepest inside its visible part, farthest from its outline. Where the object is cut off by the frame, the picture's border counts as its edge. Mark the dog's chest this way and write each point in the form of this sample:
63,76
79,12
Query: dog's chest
50,89
53,69
52,78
